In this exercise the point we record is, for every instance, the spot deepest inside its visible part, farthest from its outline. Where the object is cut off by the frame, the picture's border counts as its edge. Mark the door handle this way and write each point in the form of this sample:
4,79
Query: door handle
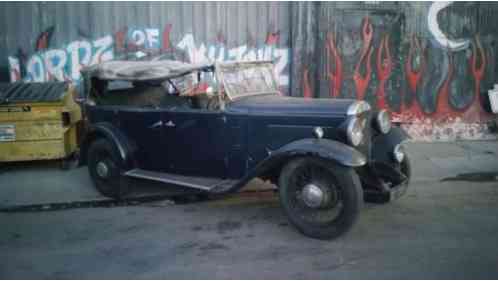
156,125
170,124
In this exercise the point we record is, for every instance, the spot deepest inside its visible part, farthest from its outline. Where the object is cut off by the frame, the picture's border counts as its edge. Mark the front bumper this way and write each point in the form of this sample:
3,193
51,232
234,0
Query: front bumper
386,175
386,185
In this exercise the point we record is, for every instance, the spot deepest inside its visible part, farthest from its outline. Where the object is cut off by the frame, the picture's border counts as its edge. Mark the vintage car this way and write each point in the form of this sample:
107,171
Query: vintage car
214,127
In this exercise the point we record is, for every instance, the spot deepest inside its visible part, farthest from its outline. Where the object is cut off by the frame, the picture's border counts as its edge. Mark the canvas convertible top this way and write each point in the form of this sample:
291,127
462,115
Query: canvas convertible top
142,70
153,70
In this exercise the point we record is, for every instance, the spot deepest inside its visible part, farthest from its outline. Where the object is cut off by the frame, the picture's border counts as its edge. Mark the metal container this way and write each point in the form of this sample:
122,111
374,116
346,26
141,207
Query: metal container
38,121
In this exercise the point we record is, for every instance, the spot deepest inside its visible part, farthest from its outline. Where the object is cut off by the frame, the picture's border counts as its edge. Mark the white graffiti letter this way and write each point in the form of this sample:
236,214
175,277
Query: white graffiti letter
436,31
80,53
103,49
195,55
36,69
282,56
152,37
237,53
55,61
14,69
138,37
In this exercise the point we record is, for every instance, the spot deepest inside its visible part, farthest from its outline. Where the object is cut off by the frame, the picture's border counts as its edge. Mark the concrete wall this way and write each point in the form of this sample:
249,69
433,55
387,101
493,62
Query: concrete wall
430,64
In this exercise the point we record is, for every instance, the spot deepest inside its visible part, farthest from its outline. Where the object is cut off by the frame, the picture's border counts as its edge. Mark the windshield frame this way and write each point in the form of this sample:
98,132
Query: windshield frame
222,68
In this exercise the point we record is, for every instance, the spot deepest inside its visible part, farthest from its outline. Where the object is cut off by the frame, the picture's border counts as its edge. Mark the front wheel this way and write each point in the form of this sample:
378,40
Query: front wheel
321,199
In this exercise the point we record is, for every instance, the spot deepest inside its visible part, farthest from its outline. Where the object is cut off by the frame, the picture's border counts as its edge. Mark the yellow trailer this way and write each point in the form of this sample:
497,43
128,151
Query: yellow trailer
38,121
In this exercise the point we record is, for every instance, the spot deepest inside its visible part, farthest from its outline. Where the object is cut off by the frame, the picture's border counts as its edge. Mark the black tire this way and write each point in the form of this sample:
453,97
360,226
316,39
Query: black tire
113,184
342,181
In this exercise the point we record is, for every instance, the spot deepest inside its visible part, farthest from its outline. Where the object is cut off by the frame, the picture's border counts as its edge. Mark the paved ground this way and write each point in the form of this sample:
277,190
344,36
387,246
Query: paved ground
440,229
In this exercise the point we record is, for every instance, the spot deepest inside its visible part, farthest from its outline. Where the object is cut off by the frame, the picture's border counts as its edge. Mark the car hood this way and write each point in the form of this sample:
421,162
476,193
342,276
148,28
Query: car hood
275,104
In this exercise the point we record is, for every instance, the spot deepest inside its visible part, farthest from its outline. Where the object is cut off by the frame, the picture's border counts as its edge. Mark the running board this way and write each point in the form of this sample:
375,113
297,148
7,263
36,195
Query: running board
202,183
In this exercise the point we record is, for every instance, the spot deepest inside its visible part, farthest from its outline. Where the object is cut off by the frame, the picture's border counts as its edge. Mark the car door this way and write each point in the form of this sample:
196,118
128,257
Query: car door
143,127
195,142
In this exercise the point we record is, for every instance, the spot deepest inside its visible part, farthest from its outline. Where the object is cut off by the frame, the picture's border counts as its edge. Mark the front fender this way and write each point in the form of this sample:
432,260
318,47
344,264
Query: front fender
330,150
327,149
106,130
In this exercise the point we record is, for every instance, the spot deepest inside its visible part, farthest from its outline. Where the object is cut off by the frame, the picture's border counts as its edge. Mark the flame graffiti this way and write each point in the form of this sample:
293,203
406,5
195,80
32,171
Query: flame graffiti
306,84
414,77
361,82
272,38
43,40
335,76
475,110
166,37
120,38
384,69
443,108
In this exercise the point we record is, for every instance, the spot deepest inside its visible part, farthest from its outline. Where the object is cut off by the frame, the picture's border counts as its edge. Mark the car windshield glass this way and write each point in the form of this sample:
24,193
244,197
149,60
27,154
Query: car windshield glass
247,79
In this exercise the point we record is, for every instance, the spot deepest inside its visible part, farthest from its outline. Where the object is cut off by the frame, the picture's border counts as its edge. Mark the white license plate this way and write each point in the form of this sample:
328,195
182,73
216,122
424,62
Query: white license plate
7,132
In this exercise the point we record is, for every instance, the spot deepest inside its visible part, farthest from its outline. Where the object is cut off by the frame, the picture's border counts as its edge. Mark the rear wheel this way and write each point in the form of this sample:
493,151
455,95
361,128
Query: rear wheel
104,168
321,199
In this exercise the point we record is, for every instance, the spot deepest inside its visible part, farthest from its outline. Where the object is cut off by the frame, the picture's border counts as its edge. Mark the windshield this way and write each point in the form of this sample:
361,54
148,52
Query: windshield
241,79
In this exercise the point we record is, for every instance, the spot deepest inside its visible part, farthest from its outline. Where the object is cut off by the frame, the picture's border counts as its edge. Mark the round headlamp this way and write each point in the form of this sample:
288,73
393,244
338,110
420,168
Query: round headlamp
383,121
318,132
355,131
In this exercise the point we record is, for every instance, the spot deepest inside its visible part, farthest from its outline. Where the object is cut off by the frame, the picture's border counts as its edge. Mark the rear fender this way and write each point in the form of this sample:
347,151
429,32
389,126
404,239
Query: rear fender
106,130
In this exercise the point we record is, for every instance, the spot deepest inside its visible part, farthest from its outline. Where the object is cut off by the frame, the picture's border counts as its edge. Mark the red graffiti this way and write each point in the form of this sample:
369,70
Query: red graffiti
43,39
443,108
335,76
272,38
306,84
17,75
361,82
477,71
414,76
475,109
384,69
166,37
119,38
42,42
220,38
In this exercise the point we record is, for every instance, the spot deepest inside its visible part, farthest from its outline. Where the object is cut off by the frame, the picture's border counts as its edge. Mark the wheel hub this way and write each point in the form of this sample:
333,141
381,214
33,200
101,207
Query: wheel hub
313,195
102,169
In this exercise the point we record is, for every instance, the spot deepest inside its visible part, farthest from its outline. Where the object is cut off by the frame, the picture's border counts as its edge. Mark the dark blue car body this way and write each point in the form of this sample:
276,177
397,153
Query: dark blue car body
250,137
325,155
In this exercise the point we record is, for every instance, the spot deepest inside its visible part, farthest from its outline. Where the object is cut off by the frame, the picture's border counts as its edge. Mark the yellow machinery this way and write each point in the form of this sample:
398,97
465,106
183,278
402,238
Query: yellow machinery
38,121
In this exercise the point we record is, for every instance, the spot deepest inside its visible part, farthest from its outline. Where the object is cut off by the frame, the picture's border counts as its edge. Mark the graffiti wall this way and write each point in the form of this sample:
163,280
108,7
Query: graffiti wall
429,64
64,63
190,32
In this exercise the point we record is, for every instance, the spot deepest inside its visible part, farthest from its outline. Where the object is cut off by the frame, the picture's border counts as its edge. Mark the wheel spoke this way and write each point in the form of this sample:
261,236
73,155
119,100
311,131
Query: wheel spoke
317,175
